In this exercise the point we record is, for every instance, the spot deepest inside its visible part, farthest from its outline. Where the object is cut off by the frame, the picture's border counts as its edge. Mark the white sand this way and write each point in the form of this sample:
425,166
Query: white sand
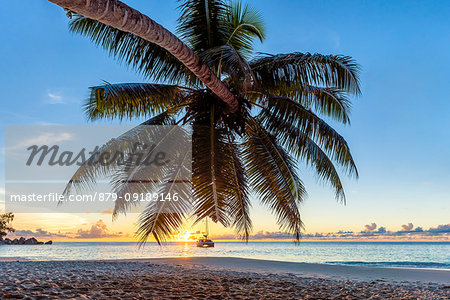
213,278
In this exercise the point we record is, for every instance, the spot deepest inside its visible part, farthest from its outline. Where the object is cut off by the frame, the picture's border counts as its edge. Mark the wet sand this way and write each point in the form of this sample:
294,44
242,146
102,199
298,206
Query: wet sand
315,270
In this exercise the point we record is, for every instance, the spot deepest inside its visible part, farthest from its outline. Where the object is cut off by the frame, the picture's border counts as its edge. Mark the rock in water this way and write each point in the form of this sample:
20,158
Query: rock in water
24,241
31,241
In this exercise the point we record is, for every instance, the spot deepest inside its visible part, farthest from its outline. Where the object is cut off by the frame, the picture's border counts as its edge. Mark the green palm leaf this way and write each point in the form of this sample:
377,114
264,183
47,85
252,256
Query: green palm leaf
96,167
128,100
330,102
149,59
229,62
239,205
162,218
307,69
273,177
136,178
244,24
212,186
314,128
200,22
304,148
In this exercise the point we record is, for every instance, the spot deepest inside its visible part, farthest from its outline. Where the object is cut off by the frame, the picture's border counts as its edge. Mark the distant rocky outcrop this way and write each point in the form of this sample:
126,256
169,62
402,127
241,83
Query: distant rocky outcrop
24,241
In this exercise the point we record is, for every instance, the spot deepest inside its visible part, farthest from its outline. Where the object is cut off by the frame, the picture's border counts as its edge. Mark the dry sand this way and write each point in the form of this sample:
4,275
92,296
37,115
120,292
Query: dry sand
215,278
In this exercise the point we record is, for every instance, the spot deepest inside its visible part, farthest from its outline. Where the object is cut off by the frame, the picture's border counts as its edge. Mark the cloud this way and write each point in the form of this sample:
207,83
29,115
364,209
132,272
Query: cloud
371,227
440,229
408,230
345,233
261,235
38,233
98,230
408,227
371,232
47,138
381,230
54,98
61,96
108,211
223,236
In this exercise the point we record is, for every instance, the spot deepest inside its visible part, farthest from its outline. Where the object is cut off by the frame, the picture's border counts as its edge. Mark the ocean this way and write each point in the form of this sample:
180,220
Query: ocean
382,254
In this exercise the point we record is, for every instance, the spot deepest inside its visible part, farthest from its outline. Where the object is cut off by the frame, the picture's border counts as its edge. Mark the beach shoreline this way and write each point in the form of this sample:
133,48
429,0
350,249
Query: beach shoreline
215,277
319,270
332,271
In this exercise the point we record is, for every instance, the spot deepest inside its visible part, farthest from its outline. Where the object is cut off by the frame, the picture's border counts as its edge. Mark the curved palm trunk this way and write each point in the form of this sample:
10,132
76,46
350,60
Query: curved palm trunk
119,15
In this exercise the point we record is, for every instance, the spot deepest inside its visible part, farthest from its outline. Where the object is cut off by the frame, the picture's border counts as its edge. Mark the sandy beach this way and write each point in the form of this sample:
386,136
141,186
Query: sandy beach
215,278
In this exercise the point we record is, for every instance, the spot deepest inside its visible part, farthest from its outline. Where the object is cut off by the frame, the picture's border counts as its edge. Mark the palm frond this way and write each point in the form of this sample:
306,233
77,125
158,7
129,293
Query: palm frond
164,118
147,58
273,177
200,23
212,185
110,160
138,177
337,71
244,24
239,205
161,218
330,102
304,148
313,127
128,100
230,62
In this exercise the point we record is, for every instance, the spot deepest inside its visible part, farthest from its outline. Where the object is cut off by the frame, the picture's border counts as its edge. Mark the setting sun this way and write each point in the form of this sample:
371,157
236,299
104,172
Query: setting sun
185,236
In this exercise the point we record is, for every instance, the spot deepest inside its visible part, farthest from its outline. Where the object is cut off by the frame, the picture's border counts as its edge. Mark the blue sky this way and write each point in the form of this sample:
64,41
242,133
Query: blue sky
399,135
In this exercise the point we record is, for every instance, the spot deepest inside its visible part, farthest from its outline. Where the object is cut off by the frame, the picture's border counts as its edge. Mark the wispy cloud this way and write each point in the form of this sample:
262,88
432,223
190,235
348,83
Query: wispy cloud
54,98
60,96
43,139
49,138
38,233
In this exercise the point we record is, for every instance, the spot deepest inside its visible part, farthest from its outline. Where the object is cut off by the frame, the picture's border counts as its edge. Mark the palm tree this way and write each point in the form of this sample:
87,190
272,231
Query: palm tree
253,146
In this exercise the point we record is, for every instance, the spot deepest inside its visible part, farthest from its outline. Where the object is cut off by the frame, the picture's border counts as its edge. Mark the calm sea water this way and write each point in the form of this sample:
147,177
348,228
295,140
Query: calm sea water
419,255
